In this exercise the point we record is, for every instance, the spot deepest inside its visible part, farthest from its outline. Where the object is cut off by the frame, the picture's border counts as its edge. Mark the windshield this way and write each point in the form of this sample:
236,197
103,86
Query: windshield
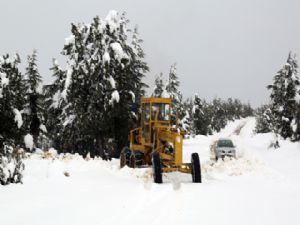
162,109
225,143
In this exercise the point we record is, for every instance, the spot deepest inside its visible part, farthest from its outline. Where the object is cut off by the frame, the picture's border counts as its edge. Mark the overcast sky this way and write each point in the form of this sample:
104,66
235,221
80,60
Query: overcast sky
223,49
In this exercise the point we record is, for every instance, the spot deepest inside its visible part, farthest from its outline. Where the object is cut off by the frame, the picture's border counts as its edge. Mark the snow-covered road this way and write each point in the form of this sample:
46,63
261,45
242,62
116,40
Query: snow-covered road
261,187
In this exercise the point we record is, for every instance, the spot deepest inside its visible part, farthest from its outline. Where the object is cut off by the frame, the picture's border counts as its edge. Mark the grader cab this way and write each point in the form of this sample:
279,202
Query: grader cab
158,143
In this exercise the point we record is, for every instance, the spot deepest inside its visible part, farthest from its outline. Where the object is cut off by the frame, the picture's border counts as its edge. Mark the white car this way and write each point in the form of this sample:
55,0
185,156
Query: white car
224,147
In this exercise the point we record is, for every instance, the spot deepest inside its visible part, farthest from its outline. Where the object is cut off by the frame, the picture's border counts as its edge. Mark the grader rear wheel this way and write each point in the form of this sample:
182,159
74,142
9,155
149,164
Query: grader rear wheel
196,168
156,166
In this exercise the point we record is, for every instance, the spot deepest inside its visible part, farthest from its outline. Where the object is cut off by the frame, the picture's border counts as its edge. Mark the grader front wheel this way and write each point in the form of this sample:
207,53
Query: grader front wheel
196,168
156,166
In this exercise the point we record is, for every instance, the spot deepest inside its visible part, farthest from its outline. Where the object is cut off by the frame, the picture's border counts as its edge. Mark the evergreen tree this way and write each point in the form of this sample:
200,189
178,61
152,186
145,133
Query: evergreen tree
247,110
186,116
54,105
34,108
173,93
219,118
159,86
12,90
264,119
12,100
283,98
296,127
102,86
201,117
172,87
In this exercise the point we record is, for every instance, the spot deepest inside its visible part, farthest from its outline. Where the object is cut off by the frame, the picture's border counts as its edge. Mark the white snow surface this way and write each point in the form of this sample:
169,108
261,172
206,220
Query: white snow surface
106,57
56,99
165,94
118,50
115,97
28,140
4,79
262,186
112,82
112,20
43,128
70,40
18,117
3,82
68,81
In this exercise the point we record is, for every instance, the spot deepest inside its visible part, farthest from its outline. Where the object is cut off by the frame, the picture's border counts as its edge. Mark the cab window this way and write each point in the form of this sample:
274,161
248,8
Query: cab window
146,112
163,111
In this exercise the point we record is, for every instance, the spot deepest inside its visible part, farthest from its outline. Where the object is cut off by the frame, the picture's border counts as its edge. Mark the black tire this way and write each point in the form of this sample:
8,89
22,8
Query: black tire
156,166
132,161
196,168
124,157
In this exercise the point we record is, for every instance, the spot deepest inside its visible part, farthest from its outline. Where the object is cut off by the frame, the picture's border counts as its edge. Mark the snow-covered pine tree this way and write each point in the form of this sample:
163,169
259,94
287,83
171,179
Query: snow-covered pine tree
12,92
296,127
172,86
247,110
54,105
12,100
219,118
172,91
139,68
230,109
283,98
102,84
34,113
264,119
127,75
201,117
186,116
159,86
77,91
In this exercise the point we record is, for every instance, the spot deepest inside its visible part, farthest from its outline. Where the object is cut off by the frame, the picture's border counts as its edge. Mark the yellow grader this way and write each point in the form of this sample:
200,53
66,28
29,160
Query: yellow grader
158,143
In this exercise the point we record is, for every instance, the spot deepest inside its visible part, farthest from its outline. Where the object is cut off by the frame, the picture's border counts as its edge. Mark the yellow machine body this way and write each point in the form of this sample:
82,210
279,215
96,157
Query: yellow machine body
157,134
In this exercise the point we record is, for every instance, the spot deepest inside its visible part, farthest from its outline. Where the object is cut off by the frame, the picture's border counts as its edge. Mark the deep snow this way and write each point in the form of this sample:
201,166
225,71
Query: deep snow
262,186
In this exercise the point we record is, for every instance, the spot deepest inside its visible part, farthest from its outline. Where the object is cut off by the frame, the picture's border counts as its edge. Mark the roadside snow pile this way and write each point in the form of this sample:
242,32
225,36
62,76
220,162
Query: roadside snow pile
231,167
